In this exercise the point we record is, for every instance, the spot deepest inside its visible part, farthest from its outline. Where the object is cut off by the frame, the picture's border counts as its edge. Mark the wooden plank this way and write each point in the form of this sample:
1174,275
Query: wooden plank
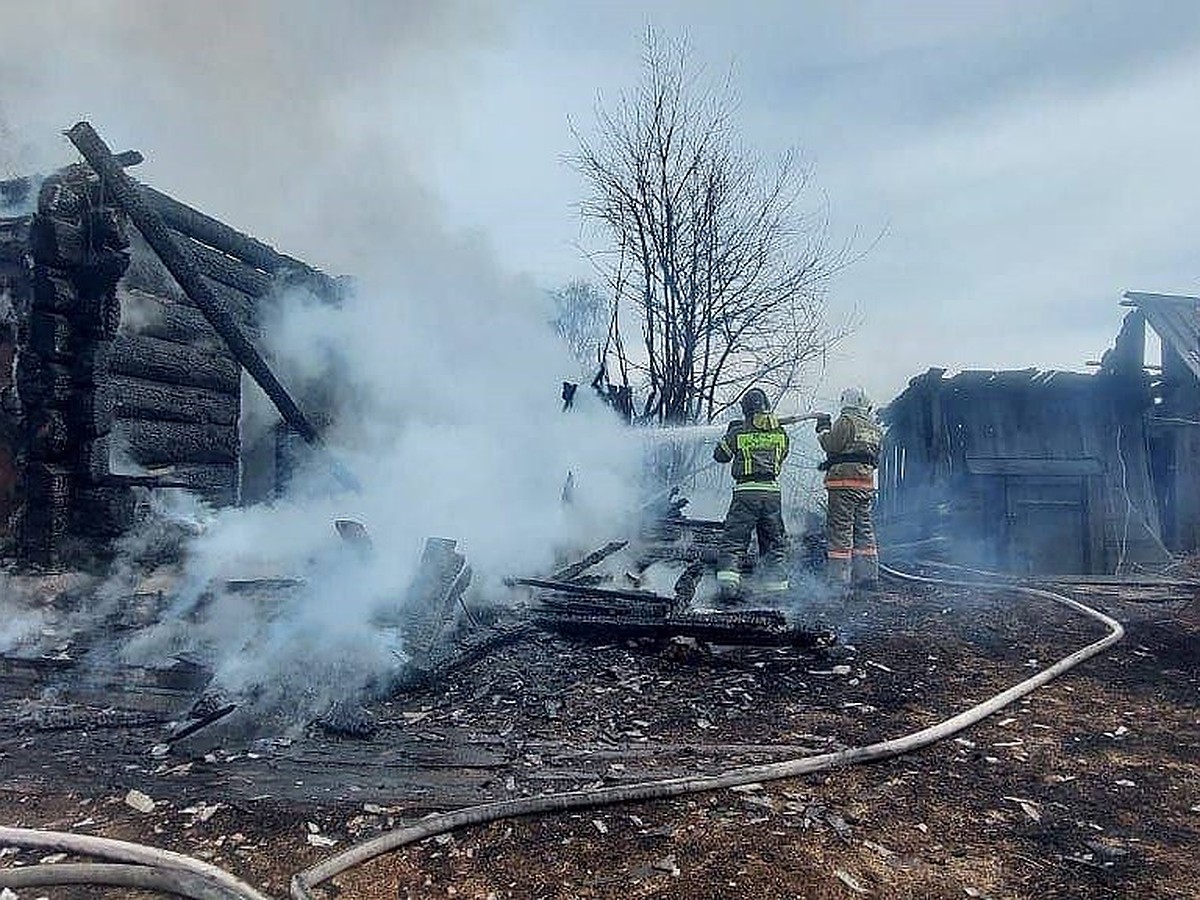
1032,466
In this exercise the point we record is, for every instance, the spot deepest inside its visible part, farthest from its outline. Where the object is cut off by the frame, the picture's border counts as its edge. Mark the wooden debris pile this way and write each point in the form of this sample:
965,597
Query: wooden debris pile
578,602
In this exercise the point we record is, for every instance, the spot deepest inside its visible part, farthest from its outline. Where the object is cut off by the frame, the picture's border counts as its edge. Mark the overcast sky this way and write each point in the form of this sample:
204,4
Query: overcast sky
1020,163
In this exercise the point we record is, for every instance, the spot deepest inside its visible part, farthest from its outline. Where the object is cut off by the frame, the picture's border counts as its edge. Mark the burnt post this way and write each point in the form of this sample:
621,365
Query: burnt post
179,261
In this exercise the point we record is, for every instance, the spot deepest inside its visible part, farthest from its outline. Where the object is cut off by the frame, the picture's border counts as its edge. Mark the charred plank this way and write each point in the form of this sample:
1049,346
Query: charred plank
43,383
765,629
596,556
225,269
150,316
147,275
218,484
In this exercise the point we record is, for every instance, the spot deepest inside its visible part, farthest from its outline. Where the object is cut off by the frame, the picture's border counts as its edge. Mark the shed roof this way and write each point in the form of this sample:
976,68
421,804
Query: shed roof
1176,319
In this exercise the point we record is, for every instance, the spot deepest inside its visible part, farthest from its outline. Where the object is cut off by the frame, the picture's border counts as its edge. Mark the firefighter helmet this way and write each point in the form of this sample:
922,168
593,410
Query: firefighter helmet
855,398
754,401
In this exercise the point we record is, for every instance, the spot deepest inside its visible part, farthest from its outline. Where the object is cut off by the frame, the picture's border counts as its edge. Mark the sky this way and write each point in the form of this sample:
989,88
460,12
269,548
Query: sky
1007,169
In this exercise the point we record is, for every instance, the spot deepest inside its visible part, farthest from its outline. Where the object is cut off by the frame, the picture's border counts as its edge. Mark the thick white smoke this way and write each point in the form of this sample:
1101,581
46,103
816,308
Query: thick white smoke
455,429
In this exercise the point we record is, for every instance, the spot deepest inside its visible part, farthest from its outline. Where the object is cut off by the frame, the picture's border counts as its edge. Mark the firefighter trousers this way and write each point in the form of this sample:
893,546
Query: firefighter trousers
850,532
757,512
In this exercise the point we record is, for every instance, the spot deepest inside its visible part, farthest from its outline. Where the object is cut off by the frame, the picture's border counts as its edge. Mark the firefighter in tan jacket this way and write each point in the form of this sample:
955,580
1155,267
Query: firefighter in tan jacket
851,446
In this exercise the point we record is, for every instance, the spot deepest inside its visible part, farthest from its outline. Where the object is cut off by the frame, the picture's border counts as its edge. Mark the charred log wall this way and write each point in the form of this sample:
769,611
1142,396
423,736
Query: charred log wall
16,286
111,379
59,269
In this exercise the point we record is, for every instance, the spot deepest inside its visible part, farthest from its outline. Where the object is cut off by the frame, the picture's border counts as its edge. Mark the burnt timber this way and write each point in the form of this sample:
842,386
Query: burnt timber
111,378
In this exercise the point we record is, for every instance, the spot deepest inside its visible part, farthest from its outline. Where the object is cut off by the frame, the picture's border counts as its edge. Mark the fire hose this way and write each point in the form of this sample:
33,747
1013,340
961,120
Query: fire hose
152,867
184,876
303,882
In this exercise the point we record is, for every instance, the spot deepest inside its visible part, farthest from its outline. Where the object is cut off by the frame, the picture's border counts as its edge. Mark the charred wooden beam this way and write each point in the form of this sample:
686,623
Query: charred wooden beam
146,274
577,568
145,314
112,459
104,511
50,434
583,590
125,397
151,442
183,268
184,219
766,628
217,484
225,269
42,383
152,359
52,337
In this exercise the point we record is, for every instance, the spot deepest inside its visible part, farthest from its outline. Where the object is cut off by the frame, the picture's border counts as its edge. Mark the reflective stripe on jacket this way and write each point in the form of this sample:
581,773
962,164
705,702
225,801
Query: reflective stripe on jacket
755,452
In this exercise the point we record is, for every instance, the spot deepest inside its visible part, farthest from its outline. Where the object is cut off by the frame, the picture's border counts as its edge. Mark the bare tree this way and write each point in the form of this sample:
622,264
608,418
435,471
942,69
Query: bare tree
707,243
581,318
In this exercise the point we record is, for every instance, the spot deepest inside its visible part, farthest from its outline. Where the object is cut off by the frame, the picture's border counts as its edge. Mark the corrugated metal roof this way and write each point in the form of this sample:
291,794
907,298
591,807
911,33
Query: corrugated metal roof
1176,319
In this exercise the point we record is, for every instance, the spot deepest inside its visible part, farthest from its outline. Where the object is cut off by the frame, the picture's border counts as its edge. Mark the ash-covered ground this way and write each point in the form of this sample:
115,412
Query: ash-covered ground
1089,787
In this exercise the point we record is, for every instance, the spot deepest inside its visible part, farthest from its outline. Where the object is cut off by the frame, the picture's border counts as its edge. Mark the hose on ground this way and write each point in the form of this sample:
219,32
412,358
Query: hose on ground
126,875
304,882
166,861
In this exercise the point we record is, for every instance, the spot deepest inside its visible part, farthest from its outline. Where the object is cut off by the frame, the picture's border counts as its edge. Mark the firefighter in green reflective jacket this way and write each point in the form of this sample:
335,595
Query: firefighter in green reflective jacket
755,448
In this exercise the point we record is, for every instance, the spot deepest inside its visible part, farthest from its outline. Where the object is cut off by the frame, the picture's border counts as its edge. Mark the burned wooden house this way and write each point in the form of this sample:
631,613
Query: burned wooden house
111,378
1055,472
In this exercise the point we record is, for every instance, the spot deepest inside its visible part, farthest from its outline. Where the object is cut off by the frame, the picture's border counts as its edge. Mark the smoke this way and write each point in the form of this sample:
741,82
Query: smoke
437,381
454,428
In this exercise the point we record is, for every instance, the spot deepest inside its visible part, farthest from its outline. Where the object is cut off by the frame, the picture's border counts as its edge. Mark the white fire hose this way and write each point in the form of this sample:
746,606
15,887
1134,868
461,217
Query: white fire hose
708,432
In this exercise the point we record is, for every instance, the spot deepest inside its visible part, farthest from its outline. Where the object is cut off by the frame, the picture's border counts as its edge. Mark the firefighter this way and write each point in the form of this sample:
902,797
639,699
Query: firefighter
755,446
851,446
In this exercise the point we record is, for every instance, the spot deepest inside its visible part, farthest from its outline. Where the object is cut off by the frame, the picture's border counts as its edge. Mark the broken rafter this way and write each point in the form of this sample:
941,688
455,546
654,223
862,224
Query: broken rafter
578,568
184,219
583,590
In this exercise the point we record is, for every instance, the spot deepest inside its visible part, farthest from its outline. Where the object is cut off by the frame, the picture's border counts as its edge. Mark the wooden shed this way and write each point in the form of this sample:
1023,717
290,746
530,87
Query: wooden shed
1027,471
111,378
